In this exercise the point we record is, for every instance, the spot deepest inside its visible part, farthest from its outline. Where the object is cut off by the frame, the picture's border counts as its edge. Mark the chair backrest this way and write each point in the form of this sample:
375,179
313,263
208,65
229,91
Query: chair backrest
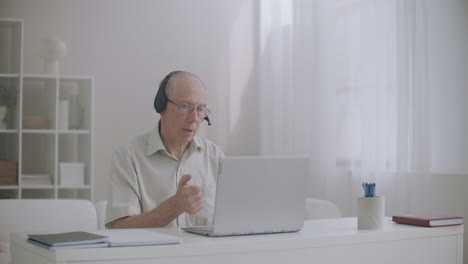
38,215
321,209
101,207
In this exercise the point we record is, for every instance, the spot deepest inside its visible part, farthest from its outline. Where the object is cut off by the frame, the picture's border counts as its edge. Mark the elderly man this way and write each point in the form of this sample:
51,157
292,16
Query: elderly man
167,177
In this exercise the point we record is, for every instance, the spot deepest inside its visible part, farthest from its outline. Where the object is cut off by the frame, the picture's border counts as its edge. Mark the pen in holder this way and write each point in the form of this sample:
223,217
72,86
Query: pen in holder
370,208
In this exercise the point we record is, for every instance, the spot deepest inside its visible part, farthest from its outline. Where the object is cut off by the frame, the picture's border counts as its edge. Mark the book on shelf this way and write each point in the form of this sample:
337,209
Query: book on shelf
103,238
78,239
428,221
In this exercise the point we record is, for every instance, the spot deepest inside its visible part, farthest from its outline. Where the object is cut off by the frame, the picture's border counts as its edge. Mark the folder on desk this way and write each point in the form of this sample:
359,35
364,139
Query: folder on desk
137,237
103,238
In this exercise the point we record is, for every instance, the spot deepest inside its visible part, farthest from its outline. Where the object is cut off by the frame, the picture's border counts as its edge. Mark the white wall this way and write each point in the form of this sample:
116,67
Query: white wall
128,46
444,191
447,57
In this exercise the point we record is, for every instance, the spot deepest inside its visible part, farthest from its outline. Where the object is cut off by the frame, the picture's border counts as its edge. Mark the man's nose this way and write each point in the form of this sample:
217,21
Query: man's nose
193,115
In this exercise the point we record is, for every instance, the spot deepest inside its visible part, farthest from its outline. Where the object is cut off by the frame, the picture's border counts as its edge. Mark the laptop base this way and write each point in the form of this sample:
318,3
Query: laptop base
200,230
208,231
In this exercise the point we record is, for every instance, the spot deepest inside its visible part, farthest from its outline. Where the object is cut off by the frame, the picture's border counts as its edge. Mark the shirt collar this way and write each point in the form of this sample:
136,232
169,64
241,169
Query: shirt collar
155,142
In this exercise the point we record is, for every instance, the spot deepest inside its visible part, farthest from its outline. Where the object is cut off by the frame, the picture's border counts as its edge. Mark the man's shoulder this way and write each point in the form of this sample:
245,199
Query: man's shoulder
208,145
136,144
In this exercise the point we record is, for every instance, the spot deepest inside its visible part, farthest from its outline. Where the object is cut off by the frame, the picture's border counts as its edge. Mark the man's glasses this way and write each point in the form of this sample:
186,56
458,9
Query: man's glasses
202,111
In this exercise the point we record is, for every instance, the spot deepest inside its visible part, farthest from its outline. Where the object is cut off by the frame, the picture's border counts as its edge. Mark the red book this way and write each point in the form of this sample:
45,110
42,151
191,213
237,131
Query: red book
428,221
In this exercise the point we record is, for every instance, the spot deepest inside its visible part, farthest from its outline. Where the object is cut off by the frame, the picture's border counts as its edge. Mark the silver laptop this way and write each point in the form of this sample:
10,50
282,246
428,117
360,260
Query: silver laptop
257,195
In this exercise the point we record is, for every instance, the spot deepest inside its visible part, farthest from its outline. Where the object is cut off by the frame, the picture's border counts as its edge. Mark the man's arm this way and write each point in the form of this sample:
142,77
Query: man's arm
188,199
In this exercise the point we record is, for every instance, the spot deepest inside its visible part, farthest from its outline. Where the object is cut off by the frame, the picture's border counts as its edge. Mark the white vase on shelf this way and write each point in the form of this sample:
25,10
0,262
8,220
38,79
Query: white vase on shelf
53,50
3,113
75,113
64,109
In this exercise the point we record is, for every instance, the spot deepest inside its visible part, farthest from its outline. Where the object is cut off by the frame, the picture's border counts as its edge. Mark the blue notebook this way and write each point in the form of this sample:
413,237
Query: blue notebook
78,239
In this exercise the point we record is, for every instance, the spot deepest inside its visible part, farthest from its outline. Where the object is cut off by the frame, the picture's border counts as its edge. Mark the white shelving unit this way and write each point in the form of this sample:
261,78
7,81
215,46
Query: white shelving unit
35,135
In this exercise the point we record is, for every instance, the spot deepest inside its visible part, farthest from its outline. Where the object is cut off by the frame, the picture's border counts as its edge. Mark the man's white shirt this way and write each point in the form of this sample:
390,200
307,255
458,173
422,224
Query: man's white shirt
143,175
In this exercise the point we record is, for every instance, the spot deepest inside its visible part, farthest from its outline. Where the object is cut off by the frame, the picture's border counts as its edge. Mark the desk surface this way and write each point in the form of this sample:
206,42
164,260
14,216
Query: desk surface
340,232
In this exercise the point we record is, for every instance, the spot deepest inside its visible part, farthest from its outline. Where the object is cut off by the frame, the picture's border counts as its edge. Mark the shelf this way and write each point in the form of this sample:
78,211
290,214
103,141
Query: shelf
11,38
11,21
38,187
47,129
38,131
34,193
9,131
80,132
9,187
75,77
9,75
9,149
82,187
73,193
54,76
10,87
9,193
40,76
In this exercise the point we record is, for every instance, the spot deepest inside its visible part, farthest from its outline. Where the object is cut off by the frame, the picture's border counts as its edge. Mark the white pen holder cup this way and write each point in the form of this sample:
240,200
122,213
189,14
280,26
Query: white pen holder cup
371,212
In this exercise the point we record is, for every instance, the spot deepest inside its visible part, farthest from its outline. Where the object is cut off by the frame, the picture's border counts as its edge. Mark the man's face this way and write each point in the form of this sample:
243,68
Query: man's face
185,90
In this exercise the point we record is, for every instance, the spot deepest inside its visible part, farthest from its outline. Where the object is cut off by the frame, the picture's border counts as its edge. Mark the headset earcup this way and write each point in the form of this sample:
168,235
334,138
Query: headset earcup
160,101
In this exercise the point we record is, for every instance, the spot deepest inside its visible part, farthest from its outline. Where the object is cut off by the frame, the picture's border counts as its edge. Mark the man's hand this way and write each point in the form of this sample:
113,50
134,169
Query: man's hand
189,197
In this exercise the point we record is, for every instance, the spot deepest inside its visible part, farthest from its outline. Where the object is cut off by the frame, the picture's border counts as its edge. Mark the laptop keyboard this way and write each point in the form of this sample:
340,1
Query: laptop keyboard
203,228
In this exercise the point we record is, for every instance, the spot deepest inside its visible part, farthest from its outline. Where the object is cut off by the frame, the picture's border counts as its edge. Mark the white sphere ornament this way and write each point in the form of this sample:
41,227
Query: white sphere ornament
53,50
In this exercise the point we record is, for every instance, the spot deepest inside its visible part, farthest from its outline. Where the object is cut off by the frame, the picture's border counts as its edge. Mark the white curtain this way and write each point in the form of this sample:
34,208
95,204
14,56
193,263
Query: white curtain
348,83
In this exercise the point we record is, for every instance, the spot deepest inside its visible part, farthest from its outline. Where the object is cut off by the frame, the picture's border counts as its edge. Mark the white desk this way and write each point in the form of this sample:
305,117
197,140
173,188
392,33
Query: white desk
321,241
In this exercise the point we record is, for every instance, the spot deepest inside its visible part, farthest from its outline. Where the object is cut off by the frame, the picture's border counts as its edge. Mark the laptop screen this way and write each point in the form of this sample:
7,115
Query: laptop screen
260,194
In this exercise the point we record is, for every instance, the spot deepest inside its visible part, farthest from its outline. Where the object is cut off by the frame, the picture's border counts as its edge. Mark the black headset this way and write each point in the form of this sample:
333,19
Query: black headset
160,101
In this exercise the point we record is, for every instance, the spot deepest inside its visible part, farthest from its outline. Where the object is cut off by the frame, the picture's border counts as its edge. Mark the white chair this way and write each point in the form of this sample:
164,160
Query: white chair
101,207
321,209
37,216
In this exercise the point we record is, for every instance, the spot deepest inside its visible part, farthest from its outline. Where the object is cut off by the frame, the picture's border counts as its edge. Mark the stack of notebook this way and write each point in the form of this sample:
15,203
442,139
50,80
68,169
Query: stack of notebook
103,238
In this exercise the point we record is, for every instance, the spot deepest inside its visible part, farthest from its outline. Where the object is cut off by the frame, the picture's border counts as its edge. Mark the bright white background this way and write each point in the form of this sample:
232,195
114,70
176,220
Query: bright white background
370,90
129,46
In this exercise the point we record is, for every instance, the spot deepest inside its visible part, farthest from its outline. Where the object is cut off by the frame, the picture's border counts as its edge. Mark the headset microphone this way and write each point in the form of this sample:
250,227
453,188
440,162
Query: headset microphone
207,120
